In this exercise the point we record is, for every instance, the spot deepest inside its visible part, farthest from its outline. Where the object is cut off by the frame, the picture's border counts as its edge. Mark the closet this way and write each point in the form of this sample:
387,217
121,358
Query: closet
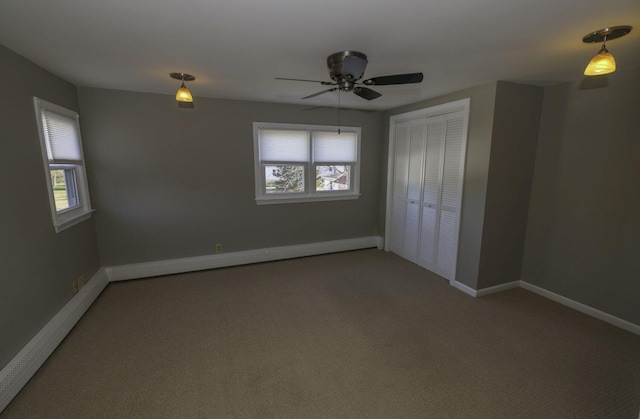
426,171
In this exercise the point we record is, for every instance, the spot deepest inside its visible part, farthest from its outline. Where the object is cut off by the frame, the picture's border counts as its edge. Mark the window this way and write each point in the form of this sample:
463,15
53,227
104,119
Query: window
62,155
300,163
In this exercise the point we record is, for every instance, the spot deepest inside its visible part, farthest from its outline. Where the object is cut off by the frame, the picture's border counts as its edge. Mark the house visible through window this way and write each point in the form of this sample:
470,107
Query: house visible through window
298,163
64,164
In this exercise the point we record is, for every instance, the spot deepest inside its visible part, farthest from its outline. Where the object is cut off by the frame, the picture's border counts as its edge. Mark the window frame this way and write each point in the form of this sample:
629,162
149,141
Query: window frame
310,167
71,216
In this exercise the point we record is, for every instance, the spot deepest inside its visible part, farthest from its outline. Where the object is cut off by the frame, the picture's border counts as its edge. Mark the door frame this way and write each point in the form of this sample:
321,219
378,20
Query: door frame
442,109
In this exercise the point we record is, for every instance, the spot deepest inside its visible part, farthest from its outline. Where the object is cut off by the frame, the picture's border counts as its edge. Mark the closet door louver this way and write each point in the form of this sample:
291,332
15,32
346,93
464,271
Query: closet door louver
450,200
400,178
414,189
431,192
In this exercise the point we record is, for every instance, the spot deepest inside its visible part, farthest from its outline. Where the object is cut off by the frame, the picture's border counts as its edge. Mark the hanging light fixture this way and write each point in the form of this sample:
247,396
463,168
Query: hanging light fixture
183,94
603,62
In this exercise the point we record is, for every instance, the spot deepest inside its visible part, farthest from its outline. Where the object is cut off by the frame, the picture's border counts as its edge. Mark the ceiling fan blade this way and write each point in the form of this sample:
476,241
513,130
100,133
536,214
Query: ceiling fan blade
366,93
321,93
395,79
326,83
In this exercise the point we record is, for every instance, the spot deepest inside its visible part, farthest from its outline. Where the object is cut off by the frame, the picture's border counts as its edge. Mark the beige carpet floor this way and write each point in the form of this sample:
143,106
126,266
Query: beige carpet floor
361,334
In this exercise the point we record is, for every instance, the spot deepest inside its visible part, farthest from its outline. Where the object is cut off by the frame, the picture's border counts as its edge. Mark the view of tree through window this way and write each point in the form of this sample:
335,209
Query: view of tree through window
64,193
284,179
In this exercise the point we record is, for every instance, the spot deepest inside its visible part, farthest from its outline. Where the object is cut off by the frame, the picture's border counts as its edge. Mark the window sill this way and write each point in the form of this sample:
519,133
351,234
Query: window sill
298,200
70,222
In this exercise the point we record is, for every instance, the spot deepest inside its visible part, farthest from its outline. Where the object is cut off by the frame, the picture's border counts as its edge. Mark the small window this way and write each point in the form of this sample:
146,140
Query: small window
299,163
64,163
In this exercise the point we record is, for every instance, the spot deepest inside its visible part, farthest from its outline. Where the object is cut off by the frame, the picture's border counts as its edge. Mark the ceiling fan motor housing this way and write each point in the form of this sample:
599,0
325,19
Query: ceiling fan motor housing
346,66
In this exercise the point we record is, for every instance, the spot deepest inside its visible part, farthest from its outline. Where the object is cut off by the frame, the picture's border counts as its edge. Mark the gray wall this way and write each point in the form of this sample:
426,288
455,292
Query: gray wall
476,173
170,183
37,264
583,234
513,149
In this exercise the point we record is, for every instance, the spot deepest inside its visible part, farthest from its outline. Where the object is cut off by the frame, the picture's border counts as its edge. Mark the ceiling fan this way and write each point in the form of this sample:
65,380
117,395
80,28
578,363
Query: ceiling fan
346,68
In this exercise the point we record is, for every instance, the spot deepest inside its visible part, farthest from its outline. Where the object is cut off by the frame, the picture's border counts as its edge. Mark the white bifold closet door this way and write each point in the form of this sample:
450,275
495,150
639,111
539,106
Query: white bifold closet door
399,189
408,188
427,182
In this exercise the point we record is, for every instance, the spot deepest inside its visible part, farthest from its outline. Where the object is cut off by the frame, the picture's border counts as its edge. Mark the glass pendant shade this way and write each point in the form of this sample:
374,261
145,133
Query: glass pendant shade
183,94
602,63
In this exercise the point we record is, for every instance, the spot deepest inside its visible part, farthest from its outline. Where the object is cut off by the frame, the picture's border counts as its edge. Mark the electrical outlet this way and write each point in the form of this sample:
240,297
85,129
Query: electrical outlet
375,230
80,281
218,247
74,286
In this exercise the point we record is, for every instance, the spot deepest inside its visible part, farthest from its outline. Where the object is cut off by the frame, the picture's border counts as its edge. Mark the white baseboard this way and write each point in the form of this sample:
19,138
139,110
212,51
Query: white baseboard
583,308
198,263
465,288
485,291
497,288
22,367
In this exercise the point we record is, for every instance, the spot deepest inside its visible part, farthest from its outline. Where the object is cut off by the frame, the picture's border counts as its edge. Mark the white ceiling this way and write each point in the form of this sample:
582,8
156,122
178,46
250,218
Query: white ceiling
236,48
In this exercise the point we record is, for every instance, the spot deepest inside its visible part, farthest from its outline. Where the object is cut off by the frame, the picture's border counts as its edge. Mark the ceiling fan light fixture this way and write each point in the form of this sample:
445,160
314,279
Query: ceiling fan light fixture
183,94
603,63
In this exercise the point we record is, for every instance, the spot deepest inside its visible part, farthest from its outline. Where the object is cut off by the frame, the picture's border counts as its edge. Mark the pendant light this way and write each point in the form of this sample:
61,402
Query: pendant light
183,94
603,62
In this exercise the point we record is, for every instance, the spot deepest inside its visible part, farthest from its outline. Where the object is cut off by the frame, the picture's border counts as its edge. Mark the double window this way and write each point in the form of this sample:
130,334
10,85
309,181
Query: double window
64,164
299,163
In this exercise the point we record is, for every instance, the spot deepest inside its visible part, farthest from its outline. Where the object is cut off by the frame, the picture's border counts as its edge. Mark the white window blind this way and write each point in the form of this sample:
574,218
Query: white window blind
331,147
284,146
61,138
